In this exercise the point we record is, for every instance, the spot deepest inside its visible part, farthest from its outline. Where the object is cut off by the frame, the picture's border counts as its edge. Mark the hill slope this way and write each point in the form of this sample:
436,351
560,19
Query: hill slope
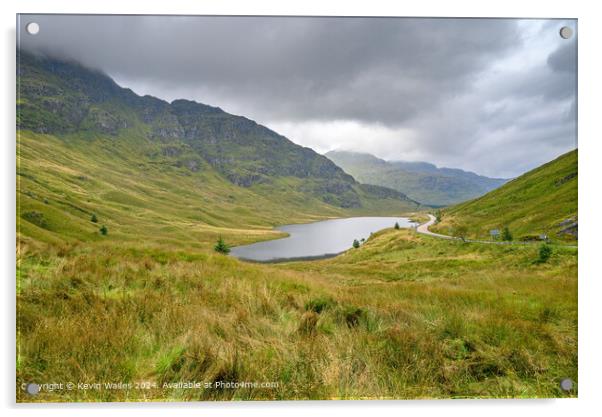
543,200
151,303
420,181
147,167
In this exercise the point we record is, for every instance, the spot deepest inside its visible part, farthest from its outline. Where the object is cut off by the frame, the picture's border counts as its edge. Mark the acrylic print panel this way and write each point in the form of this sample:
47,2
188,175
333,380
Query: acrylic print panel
295,208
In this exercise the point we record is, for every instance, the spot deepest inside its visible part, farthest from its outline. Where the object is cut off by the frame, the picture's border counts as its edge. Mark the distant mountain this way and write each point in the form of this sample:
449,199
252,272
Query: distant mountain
542,201
64,98
421,181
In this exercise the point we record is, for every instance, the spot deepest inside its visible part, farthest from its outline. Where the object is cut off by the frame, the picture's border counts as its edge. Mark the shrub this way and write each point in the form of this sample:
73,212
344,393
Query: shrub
545,251
103,230
356,243
460,231
94,219
506,235
396,226
221,246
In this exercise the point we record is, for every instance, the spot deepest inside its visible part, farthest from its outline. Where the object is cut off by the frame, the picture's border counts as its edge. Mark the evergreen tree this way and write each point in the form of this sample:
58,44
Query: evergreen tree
506,235
356,243
94,219
103,230
545,251
221,246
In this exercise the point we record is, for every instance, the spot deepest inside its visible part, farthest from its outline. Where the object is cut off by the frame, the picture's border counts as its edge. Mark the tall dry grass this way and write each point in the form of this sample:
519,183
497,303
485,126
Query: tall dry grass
402,317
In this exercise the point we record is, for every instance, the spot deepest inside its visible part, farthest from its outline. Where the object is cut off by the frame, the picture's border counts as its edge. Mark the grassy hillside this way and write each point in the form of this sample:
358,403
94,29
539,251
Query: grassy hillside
65,100
404,316
420,181
140,194
543,200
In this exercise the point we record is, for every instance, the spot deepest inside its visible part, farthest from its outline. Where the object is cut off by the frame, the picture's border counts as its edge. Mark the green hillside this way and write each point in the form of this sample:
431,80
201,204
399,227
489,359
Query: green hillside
542,201
420,181
146,167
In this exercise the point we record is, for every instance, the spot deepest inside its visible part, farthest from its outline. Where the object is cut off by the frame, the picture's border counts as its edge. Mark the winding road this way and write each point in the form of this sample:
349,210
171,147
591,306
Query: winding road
424,229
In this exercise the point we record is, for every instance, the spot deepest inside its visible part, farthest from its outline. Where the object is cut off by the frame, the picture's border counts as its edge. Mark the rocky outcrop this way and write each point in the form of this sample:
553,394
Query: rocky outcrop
569,227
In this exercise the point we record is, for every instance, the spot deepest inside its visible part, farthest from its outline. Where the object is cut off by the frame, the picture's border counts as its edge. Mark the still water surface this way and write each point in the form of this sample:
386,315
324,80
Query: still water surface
319,239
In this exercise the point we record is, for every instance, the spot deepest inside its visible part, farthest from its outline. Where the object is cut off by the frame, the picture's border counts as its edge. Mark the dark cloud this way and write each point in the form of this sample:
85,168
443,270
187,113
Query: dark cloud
564,58
415,88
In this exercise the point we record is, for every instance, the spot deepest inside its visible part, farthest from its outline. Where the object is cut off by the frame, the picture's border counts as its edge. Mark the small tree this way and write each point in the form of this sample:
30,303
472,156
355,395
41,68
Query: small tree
103,230
438,216
221,246
460,231
545,251
94,219
506,235
396,226
356,243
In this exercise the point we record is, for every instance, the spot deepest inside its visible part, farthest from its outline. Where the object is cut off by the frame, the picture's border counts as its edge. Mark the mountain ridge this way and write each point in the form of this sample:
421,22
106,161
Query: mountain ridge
421,181
61,97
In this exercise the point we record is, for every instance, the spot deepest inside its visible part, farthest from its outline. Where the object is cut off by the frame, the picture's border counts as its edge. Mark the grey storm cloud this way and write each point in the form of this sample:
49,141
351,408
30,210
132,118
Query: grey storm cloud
496,96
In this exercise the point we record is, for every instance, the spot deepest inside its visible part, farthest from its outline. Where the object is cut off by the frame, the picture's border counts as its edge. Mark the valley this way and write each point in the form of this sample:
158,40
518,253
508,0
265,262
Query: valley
122,198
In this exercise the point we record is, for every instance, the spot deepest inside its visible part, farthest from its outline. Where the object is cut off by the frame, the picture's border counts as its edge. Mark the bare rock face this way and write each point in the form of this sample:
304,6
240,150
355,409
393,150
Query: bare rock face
103,121
569,227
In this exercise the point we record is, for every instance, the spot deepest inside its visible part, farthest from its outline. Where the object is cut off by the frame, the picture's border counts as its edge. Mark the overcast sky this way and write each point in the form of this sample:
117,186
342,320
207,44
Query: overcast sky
494,96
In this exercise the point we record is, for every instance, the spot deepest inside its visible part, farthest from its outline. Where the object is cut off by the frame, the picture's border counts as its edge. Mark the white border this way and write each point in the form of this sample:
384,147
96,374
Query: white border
590,276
